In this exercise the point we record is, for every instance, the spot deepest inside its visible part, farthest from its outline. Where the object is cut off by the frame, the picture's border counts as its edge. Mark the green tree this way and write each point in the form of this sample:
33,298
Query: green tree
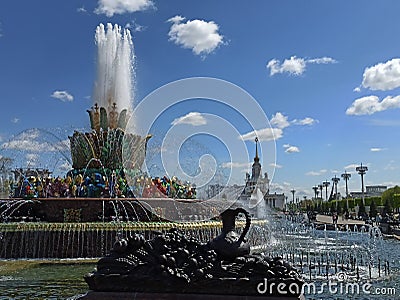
333,206
361,210
390,195
396,201
339,207
387,209
373,211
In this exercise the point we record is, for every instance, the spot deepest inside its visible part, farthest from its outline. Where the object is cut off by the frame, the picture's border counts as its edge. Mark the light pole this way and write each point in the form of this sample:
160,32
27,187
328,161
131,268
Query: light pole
335,181
286,202
326,183
315,188
346,176
320,188
362,170
293,191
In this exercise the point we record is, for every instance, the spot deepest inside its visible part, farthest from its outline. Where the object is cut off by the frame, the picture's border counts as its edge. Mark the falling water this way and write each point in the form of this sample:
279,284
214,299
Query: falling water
115,72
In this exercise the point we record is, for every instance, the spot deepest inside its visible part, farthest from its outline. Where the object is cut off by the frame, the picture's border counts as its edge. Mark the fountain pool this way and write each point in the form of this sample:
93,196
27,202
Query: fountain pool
63,279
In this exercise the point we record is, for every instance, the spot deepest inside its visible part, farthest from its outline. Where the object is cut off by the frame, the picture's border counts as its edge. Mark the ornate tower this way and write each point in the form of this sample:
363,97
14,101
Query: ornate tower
256,167
256,180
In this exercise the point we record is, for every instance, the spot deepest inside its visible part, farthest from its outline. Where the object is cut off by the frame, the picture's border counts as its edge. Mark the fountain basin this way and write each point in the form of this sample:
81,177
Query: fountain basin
86,240
62,210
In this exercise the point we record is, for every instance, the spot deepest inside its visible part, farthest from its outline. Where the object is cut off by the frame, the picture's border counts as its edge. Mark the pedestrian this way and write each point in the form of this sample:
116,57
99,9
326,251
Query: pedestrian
334,218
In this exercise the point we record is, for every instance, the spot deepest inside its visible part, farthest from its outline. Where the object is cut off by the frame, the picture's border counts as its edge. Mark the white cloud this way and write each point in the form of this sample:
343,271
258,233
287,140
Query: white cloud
62,145
31,159
369,105
14,120
390,184
265,134
31,141
229,165
322,60
81,9
275,165
66,166
26,145
62,95
32,156
135,27
176,19
291,149
391,166
376,149
280,187
316,173
357,89
192,118
279,120
306,121
111,7
200,36
295,65
351,167
382,76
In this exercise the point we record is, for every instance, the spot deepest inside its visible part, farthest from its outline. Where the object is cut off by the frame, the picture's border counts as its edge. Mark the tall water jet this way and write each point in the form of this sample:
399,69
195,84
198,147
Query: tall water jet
115,72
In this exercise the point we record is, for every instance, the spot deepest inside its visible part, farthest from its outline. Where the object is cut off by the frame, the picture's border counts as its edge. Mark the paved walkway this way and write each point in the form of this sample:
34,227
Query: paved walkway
328,220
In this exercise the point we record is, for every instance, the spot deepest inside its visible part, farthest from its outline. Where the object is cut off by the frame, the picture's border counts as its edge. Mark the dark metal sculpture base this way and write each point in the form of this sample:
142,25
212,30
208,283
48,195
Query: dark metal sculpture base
175,263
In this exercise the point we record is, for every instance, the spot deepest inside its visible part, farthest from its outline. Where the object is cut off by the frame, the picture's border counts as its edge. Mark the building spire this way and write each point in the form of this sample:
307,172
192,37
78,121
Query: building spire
256,158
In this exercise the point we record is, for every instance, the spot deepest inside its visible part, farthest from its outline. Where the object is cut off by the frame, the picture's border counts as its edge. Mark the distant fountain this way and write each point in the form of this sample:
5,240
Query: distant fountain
319,253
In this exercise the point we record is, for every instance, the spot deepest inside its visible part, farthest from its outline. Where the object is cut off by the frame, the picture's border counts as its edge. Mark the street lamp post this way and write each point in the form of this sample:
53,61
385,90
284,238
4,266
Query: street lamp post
320,187
315,188
293,203
335,181
362,170
326,183
346,176
286,202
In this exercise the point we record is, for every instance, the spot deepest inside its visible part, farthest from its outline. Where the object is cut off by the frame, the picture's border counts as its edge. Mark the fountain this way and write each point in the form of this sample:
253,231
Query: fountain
92,213
100,151
71,213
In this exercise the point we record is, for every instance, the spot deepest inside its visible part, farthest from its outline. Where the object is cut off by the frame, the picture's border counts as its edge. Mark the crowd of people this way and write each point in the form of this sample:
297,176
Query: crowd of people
157,187
98,185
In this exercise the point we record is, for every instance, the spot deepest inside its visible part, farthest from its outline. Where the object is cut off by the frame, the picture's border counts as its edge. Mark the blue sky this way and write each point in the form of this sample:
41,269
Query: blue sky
325,73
